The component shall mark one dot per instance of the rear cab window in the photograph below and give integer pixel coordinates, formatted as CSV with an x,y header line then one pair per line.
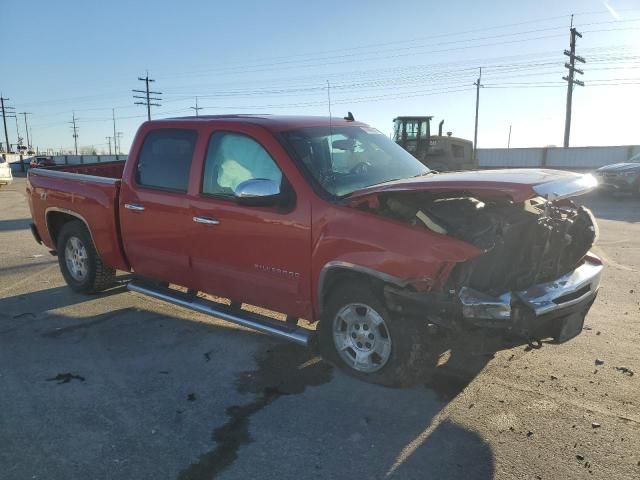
x,y
165,159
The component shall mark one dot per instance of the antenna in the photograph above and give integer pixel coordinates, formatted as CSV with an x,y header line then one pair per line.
x,y
330,122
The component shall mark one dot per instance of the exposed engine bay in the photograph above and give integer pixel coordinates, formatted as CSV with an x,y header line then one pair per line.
x,y
524,243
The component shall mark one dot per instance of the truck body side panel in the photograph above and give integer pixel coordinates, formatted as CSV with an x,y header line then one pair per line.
x,y
95,202
350,239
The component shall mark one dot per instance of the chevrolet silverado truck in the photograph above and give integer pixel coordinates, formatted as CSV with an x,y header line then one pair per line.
x,y
329,221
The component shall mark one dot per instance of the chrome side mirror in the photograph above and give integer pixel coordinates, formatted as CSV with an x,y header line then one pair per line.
x,y
257,192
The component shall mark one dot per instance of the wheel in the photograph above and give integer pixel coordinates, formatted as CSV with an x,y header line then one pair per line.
x,y
79,262
359,335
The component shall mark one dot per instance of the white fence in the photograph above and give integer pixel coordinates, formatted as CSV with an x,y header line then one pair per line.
x,y
17,162
78,159
580,158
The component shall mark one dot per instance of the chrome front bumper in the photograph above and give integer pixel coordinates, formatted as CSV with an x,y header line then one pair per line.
x,y
578,287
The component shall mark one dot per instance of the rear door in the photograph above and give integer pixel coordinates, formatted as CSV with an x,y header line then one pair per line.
x,y
257,255
154,208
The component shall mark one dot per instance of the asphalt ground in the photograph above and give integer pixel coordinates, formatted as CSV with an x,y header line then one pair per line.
x,y
119,386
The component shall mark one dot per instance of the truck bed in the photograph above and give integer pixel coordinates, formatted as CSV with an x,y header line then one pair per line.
x,y
89,192
105,169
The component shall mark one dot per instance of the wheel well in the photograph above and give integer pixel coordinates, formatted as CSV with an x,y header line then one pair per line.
x,y
341,274
55,222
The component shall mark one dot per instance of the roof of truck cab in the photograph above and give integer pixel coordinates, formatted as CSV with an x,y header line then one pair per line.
x,y
271,122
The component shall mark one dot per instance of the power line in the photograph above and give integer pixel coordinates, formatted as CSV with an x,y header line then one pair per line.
x,y
307,57
147,98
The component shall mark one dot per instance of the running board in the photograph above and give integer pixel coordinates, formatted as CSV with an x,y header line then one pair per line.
x,y
254,321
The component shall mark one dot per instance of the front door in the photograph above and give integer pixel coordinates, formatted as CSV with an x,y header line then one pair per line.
x,y
256,255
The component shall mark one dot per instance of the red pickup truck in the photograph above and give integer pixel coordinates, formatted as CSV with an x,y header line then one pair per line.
x,y
326,220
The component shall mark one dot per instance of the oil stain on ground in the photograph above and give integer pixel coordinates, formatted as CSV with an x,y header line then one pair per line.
x,y
283,370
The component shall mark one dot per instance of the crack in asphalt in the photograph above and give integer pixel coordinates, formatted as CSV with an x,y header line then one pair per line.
x,y
279,373
65,378
84,325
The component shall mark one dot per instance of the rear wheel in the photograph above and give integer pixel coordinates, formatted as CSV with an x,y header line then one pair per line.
x,y
79,261
359,335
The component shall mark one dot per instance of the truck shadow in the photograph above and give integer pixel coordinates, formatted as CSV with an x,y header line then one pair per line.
x,y
242,405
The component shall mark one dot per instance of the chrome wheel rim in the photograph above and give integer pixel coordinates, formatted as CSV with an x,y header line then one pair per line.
x,y
75,256
361,337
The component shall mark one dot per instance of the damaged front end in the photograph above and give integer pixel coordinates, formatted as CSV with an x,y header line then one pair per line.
x,y
535,277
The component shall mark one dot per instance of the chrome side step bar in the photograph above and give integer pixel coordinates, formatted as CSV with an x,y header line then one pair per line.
x,y
260,323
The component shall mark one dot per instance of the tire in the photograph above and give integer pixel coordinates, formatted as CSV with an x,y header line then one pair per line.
x,y
349,307
79,261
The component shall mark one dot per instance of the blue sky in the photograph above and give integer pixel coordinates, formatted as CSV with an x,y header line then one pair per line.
x,y
382,58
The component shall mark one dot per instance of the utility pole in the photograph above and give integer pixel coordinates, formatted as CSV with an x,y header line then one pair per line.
x,y
147,98
119,138
196,108
19,142
115,145
4,120
571,53
75,131
26,127
478,84
509,140
109,141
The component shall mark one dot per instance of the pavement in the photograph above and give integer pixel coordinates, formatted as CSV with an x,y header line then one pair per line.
x,y
119,386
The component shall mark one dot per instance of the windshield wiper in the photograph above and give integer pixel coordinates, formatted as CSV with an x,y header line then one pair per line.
x,y
423,174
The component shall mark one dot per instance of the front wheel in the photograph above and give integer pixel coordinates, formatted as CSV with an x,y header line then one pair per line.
x,y
358,334
79,261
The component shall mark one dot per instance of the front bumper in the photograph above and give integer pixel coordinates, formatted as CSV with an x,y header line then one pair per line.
x,y
552,309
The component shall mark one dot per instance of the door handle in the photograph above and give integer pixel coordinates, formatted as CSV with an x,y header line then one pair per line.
x,y
206,220
134,206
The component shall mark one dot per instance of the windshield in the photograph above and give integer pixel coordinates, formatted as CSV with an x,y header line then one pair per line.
x,y
635,158
345,159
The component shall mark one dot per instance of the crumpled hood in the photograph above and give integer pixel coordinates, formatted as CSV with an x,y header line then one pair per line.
x,y
620,167
518,184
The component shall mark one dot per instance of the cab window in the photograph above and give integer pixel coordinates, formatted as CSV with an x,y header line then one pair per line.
x,y
233,158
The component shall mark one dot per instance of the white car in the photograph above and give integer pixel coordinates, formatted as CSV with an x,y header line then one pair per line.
x,y
5,172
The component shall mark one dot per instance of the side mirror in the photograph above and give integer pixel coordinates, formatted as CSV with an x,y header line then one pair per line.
x,y
257,192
